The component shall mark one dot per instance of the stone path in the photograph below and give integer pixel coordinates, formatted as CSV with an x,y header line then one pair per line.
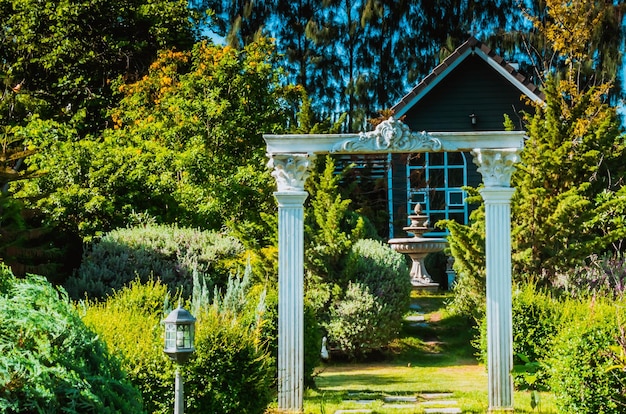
x,y
433,403
429,403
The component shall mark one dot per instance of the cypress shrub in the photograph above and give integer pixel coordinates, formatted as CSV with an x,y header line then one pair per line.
x,y
50,361
166,252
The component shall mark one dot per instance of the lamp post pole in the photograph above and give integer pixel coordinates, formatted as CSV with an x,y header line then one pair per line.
x,y
179,397
179,338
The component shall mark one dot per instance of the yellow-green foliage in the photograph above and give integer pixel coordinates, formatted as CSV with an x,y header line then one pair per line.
x,y
130,324
230,372
583,357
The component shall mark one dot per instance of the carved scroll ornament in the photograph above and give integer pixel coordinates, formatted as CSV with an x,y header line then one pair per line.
x,y
290,170
390,135
496,166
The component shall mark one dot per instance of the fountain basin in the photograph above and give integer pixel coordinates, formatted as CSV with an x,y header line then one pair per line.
x,y
417,248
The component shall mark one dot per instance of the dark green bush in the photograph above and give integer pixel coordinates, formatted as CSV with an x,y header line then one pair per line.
x,y
166,252
536,321
50,361
231,370
375,270
581,378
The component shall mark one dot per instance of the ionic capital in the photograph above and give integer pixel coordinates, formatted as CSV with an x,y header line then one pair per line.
x,y
496,165
290,170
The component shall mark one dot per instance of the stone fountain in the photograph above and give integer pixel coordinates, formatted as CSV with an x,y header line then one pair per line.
x,y
418,247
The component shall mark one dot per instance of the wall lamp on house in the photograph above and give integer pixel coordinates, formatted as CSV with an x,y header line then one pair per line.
x,y
473,118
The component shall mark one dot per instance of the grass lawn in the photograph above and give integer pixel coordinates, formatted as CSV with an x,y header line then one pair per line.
x,y
430,359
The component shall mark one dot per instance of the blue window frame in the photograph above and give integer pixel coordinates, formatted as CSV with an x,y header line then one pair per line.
x,y
435,180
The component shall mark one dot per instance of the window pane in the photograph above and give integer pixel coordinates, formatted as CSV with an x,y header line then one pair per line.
x,y
455,198
435,158
458,217
455,177
438,200
455,158
416,160
436,179
435,217
417,179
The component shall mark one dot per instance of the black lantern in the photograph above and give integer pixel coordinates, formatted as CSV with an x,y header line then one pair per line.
x,y
179,335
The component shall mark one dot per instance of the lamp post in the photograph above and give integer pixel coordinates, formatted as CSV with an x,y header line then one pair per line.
x,y
179,336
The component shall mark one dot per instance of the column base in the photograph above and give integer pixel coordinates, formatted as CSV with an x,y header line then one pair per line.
x,y
500,410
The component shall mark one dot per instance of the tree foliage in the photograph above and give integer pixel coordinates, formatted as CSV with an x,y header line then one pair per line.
x,y
186,147
66,53
570,197
574,156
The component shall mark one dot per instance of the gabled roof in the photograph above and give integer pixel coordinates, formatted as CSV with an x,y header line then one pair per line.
x,y
471,46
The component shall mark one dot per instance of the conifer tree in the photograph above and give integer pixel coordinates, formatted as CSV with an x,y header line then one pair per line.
x,y
570,200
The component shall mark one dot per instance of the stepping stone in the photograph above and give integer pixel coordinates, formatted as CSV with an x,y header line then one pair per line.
x,y
401,398
415,318
353,411
443,410
436,395
415,306
359,401
438,402
398,406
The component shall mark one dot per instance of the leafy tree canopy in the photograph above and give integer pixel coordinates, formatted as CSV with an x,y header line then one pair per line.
x,y
64,54
185,147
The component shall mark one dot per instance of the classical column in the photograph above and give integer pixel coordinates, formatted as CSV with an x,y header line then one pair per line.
x,y
290,172
496,167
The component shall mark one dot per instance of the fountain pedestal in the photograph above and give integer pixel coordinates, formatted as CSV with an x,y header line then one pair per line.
x,y
417,248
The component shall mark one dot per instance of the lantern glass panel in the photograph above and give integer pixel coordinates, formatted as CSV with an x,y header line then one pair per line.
x,y
170,335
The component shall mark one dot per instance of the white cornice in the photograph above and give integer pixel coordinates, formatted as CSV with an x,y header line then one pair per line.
x,y
392,135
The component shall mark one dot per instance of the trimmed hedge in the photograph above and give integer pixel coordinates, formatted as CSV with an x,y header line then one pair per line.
x,y
536,321
582,378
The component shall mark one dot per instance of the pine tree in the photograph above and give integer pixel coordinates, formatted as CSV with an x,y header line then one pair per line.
x,y
570,200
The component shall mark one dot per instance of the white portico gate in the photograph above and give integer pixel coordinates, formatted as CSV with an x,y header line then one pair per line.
x,y
291,158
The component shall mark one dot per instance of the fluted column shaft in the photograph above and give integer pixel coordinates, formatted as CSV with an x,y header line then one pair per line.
x,y
290,172
499,306
496,167
290,299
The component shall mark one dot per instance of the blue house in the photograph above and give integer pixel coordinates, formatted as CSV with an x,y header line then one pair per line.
x,y
471,90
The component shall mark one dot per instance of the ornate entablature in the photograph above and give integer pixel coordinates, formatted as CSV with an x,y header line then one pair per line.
x,y
496,165
290,170
390,135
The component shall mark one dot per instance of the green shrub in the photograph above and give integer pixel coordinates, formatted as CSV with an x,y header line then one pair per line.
x,y
130,323
380,293
231,370
536,321
166,252
312,335
50,361
355,326
581,378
